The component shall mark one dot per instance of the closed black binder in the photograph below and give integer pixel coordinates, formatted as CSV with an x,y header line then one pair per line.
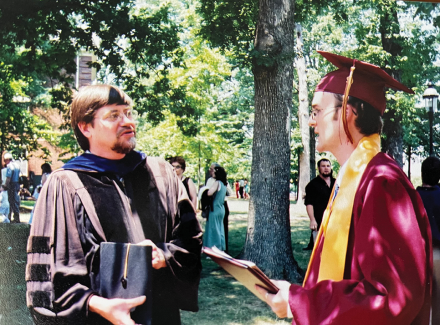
x,y
126,272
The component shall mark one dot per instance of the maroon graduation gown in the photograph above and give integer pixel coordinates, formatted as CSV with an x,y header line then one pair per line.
x,y
388,268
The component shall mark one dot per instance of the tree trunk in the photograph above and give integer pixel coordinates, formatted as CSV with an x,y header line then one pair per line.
x,y
268,241
303,116
392,144
390,30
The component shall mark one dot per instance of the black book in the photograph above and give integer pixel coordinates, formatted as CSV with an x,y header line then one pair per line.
x,y
126,272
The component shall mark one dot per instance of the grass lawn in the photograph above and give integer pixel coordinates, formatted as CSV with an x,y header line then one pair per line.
x,y
222,300
29,204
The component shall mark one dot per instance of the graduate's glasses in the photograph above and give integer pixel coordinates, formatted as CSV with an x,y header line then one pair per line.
x,y
176,166
315,112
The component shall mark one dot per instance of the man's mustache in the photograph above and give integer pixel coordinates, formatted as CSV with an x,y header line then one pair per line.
x,y
125,129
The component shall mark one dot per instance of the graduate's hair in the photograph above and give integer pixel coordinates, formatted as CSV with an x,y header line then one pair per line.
x,y
87,101
179,160
431,171
368,120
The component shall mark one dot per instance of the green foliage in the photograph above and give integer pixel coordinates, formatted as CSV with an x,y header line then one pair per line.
x,y
138,47
167,139
230,25
398,37
19,128
212,120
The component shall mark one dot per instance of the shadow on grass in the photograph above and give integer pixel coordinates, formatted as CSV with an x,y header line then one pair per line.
x,y
13,239
223,300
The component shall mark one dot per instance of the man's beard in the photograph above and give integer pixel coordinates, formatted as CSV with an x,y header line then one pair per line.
x,y
327,174
124,147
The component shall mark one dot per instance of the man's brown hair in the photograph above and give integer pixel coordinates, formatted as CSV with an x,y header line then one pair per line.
x,y
87,101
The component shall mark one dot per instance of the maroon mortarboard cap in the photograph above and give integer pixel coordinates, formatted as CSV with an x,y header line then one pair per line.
x,y
369,81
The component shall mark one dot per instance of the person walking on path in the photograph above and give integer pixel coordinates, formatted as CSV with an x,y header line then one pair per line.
x,y
237,189
4,206
318,193
215,230
241,188
372,262
13,185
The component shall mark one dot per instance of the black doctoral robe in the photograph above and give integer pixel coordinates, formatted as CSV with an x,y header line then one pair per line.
x,y
63,249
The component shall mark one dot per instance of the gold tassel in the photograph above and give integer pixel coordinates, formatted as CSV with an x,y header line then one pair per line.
x,y
344,103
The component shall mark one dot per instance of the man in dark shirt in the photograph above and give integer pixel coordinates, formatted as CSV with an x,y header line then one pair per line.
x,y
318,193
430,194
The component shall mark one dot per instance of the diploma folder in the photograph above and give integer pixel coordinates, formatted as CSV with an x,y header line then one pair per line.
x,y
245,272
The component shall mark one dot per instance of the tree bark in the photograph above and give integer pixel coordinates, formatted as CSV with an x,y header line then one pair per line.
x,y
268,242
390,29
392,144
303,116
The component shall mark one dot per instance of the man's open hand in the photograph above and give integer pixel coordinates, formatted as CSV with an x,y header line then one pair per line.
x,y
116,311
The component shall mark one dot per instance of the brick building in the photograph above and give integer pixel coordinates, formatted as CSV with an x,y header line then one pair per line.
x,y
84,76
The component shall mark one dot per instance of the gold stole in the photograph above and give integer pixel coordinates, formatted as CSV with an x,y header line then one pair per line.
x,y
336,220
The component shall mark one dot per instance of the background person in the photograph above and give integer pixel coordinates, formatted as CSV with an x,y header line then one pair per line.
x,y
430,194
137,199
13,185
4,205
179,166
46,170
209,182
318,193
372,260
214,229
241,188
246,189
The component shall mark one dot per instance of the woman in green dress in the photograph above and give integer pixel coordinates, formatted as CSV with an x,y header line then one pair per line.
x,y
214,230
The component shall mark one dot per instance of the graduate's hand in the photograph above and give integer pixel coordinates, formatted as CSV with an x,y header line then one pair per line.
x,y
158,259
278,302
313,225
116,311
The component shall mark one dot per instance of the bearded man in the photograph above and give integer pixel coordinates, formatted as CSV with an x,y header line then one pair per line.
x,y
135,199
318,193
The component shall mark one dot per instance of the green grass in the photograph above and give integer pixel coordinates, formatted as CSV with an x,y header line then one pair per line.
x,y
13,238
222,300
28,204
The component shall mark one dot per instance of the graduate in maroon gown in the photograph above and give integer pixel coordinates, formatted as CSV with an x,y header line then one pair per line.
x,y
372,261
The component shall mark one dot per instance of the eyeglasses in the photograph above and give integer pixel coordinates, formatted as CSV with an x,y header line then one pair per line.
x,y
116,115
176,166
315,112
